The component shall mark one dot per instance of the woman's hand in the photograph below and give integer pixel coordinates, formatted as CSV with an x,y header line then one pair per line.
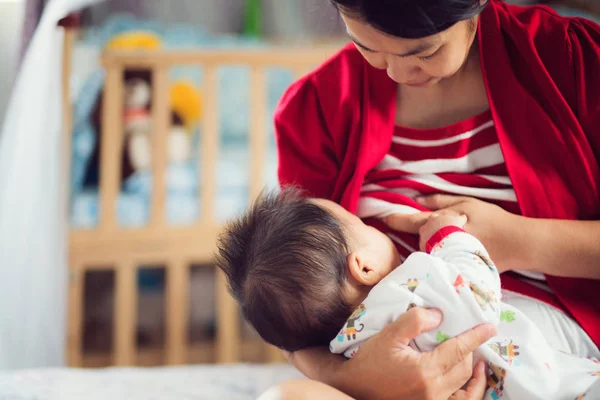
x,y
496,228
553,247
386,367
476,387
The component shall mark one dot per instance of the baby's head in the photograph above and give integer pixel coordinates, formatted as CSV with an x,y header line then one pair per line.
x,y
299,266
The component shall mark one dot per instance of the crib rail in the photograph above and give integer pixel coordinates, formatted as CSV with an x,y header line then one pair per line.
x,y
159,62
110,246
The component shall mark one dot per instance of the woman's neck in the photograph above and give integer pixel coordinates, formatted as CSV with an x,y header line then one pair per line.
x,y
450,101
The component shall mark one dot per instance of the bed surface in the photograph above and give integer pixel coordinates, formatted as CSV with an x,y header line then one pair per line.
x,y
238,382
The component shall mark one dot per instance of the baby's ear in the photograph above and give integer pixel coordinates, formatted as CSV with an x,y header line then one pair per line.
x,y
355,267
359,270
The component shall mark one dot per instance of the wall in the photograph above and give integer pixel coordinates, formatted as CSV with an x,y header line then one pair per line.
x,y
291,18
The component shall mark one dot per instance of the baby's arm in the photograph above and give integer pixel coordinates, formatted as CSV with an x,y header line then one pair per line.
x,y
463,281
457,277
443,237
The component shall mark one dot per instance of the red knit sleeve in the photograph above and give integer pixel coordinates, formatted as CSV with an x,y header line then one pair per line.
x,y
305,147
440,235
584,43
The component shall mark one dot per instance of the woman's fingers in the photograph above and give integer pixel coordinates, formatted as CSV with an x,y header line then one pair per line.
x,y
439,201
457,377
476,387
454,351
409,223
478,384
413,323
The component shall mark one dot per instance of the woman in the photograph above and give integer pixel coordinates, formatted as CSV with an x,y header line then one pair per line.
x,y
440,102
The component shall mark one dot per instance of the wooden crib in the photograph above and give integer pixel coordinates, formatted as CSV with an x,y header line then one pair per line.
x,y
123,250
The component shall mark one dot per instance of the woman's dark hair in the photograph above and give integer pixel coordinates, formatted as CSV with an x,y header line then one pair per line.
x,y
410,19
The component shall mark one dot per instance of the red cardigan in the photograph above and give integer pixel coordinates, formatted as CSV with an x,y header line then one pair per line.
x,y
542,74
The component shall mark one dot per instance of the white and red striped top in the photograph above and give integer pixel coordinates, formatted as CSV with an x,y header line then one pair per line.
x,y
461,159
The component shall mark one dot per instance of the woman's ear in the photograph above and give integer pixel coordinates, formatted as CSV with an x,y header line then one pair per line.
x,y
360,270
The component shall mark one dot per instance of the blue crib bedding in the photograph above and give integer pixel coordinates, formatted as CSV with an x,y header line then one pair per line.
x,y
184,185
182,180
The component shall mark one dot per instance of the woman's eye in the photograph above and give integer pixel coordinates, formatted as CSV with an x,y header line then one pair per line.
x,y
429,57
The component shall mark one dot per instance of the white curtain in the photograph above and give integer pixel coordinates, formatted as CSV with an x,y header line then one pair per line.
x,y
33,222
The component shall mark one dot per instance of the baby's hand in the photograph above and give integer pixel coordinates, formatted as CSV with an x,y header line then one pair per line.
x,y
437,221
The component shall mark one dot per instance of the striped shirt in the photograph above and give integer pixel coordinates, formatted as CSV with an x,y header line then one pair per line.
x,y
461,159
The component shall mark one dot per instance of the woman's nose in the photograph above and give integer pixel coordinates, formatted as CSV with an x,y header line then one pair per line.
x,y
402,74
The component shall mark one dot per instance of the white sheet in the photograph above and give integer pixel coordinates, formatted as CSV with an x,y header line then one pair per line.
x,y
239,382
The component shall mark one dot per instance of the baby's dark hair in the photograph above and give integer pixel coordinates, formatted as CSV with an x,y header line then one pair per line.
x,y
285,261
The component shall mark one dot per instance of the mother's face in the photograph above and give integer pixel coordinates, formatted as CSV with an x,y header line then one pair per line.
x,y
414,62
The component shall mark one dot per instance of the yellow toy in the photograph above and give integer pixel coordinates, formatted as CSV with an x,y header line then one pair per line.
x,y
135,40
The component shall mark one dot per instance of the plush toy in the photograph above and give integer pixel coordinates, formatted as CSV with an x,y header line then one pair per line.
x,y
185,104
135,40
137,123
185,112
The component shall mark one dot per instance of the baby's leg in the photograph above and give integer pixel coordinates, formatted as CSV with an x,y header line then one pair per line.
x,y
592,393
561,332
303,390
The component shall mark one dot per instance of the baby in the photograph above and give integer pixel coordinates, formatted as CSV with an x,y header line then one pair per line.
x,y
302,268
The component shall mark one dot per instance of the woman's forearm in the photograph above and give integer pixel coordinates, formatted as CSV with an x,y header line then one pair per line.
x,y
558,247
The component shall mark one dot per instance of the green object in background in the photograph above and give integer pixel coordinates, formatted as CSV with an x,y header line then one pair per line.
x,y
253,21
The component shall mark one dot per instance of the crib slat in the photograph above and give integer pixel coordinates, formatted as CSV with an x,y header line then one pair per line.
x,y
161,118
209,146
274,355
278,56
75,318
177,311
67,115
258,129
228,324
125,312
112,141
